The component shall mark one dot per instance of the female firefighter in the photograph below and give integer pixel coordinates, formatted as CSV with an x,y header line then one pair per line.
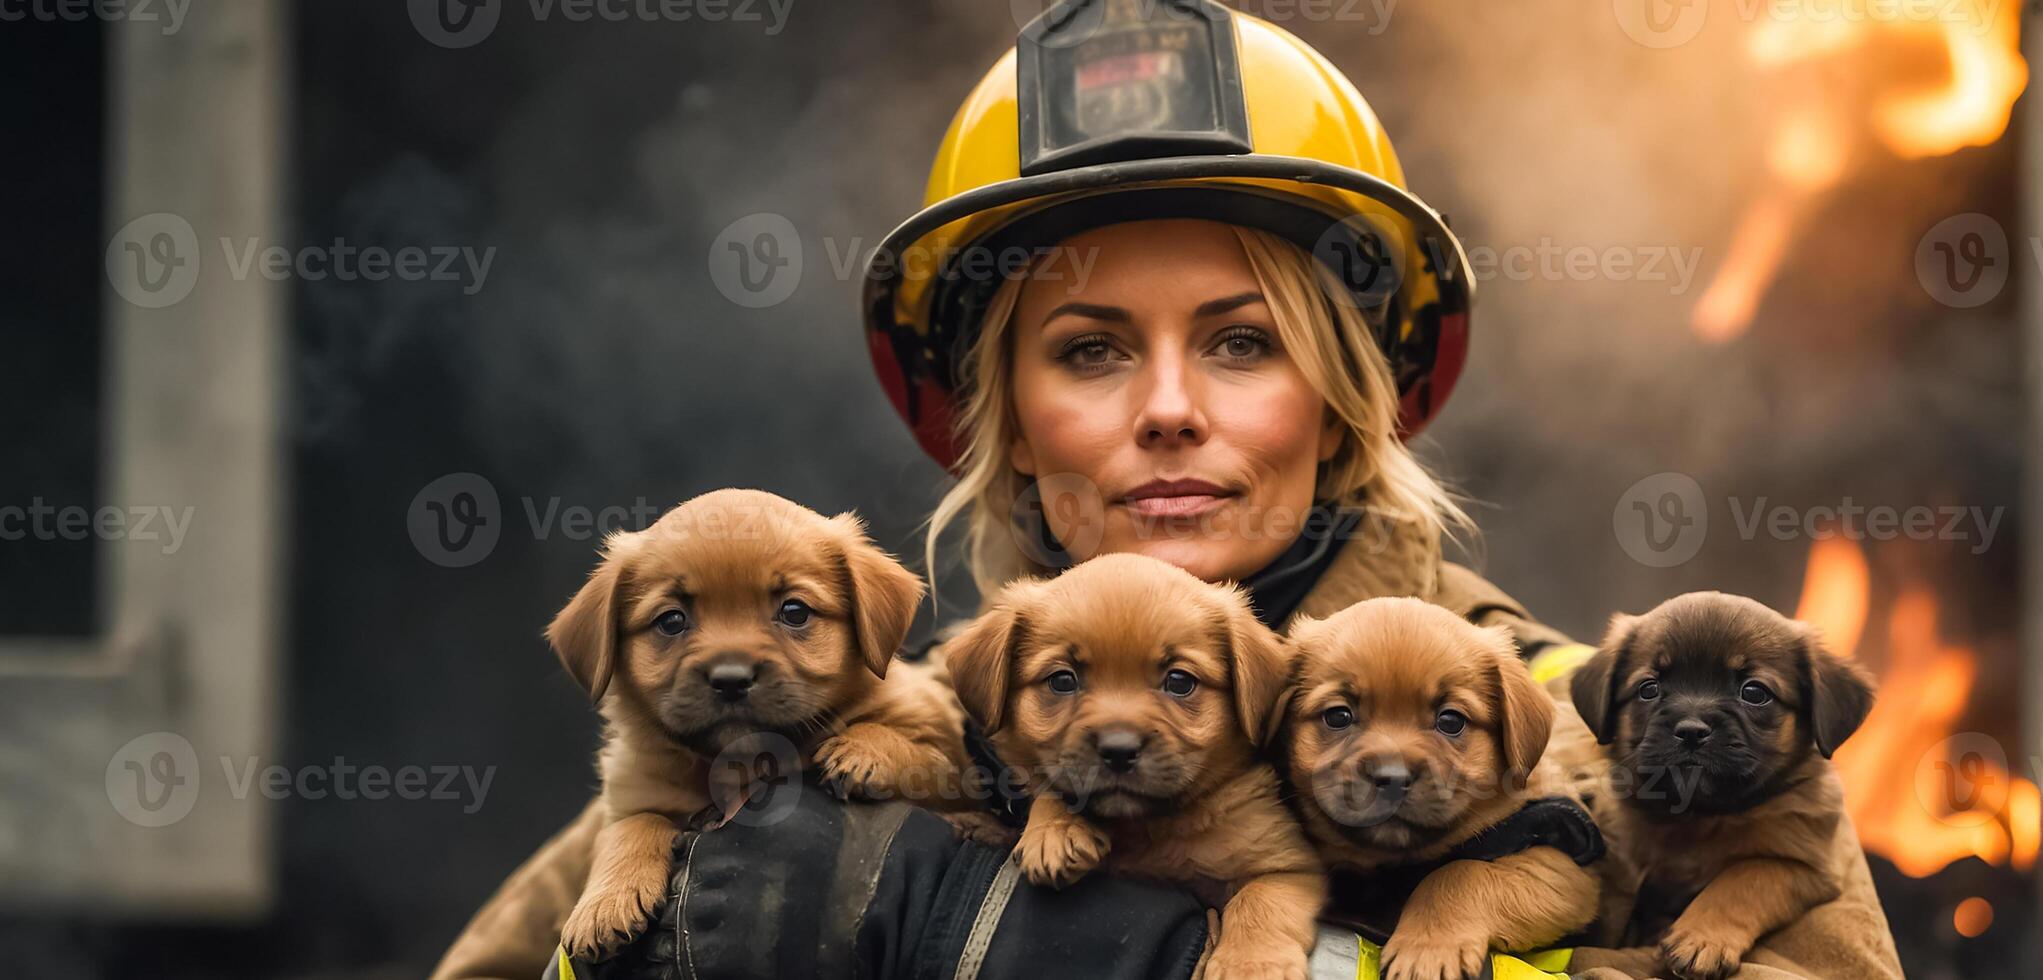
x,y
1160,238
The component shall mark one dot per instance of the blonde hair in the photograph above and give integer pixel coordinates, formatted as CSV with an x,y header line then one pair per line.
x,y
1330,340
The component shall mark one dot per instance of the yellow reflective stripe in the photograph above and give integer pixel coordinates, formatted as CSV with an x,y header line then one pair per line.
x,y
567,966
1559,660
1547,964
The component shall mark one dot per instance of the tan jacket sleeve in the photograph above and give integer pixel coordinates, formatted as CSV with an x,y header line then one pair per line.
x,y
513,935
1483,604
1845,939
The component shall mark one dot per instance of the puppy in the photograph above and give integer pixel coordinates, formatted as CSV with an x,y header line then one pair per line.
x,y
1718,716
739,621
1134,696
1408,731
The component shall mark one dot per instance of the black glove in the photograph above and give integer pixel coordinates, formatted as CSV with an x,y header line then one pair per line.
x,y
807,887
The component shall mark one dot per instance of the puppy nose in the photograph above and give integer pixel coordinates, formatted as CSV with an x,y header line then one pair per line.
x,y
1391,777
732,681
1692,731
1119,749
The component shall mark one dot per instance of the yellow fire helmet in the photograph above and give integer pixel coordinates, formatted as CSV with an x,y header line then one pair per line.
x,y
1109,111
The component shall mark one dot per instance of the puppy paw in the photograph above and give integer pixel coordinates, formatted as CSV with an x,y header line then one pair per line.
x,y
855,770
1410,956
1254,961
1058,854
982,828
1692,955
605,919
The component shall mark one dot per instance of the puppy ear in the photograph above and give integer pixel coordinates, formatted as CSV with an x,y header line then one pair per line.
x,y
1526,712
981,658
1261,667
1590,687
884,595
584,633
1838,692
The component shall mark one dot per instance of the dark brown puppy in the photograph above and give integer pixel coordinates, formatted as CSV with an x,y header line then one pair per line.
x,y
1719,716
1134,696
1408,732
740,616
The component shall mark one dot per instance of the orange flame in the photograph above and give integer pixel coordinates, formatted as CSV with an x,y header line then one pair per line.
x,y
1920,795
1811,143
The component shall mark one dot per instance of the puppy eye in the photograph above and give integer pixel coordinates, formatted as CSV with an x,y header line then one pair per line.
x,y
1063,682
1337,717
1649,691
1179,684
671,622
1450,722
1754,693
794,612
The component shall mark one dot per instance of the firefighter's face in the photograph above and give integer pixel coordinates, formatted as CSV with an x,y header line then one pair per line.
x,y
1159,379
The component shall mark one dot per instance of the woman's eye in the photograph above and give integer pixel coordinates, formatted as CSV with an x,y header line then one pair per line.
x,y
794,612
1087,353
1337,717
1649,691
671,622
1063,682
1179,684
1244,344
1754,693
1451,722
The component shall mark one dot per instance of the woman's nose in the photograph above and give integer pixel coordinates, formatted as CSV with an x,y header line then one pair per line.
x,y
1170,414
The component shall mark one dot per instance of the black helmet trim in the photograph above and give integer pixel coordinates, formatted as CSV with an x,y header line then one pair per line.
x,y
1438,247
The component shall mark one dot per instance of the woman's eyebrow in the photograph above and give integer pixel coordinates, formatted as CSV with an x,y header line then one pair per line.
x,y
1091,311
1215,307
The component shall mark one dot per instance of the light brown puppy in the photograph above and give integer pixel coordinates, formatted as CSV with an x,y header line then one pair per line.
x,y
1408,731
1718,716
1134,697
740,621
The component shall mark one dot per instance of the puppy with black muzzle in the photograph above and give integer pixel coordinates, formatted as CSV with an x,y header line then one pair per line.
x,y
742,621
1408,733
1719,716
1134,697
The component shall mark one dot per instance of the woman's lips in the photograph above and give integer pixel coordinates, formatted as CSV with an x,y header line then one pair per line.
x,y
1174,498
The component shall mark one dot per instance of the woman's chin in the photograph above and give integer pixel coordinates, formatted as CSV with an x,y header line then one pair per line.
x,y
1210,559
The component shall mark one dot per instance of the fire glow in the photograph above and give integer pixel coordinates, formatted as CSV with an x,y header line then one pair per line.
x,y
1921,794
1839,86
